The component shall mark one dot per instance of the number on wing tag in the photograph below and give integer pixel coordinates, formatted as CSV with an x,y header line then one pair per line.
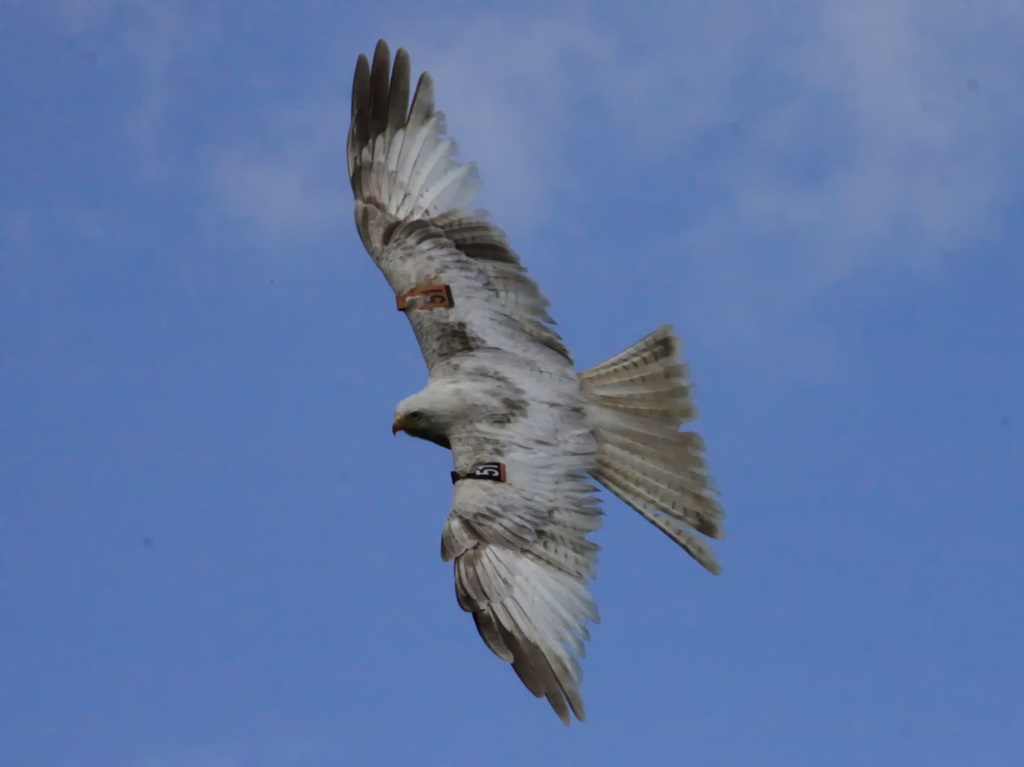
x,y
493,471
433,297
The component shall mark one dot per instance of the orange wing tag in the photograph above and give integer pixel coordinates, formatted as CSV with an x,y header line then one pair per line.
x,y
434,297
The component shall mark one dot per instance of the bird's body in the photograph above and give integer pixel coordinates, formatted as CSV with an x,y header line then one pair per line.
x,y
528,434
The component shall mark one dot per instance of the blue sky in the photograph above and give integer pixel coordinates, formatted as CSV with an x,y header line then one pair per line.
x,y
214,552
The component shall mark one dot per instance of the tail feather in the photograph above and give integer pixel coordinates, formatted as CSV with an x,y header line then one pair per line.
x,y
648,380
637,401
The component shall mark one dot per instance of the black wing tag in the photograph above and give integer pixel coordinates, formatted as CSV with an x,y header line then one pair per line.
x,y
493,471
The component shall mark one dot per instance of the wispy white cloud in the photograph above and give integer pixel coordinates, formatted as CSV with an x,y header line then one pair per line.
x,y
160,37
503,95
161,40
289,184
512,88
807,142
888,146
886,132
829,140
891,100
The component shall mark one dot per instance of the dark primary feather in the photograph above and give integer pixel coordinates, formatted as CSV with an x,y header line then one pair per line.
x,y
412,215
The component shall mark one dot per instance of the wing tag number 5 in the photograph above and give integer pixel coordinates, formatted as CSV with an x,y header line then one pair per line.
x,y
432,297
492,470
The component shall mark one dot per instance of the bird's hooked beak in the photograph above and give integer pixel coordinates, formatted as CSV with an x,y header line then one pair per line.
x,y
398,425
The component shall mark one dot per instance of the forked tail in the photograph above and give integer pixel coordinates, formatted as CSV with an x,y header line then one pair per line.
x,y
637,401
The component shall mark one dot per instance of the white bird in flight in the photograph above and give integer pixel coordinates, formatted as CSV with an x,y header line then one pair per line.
x,y
527,433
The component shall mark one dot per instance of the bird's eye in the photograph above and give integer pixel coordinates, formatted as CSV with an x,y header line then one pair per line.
x,y
415,415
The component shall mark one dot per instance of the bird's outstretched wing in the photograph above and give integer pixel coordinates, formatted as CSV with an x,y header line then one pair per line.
x,y
461,285
517,534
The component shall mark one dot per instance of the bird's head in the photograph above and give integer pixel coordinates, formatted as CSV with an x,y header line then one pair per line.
x,y
443,405
430,414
